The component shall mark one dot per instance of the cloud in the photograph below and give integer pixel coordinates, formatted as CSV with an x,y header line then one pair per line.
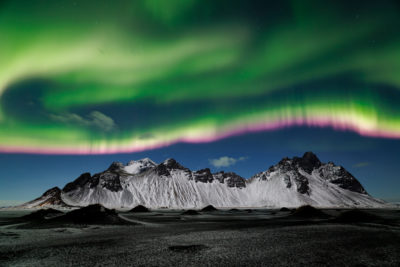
x,y
361,164
94,119
102,121
225,161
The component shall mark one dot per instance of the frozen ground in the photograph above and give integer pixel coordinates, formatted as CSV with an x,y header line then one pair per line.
x,y
221,238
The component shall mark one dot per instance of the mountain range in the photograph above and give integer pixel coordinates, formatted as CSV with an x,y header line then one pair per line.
x,y
292,182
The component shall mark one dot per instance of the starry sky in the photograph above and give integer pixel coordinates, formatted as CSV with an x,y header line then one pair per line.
x,y
230,85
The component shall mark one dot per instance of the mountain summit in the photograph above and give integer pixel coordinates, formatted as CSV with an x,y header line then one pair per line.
x,y
291,182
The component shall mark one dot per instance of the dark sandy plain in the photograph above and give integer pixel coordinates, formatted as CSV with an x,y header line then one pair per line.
x,y
256,237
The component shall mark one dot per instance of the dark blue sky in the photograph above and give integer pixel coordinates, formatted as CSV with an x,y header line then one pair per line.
x,y
373,161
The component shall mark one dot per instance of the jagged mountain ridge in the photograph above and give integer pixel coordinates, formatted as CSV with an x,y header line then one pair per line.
x,y
50,198
291,182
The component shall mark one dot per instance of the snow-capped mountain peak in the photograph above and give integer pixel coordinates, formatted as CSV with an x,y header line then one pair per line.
x,y
139,166
295,172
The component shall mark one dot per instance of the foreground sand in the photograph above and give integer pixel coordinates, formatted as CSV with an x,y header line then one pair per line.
x,y
221,238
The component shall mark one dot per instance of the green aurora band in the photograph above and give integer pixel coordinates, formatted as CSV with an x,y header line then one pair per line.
x,y
121,76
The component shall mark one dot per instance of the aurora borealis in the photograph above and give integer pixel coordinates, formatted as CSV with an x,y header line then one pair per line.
x,y
94,77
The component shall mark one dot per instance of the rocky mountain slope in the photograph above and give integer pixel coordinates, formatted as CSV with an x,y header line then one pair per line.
x,y
291,183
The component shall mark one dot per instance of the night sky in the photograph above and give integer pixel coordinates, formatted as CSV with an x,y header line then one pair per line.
x,y
230,85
